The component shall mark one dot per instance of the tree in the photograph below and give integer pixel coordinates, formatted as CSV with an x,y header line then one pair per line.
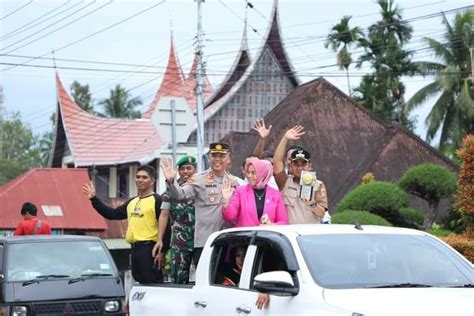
x,y
382,91
464,198
340,39
120,105
18,152
431,183
82,96
453,111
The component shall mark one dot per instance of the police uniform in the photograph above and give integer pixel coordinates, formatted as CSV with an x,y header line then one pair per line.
x,y
182,218
206,190
299,212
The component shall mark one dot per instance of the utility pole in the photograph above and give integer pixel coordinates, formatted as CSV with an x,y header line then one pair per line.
x,y
199,90
173,130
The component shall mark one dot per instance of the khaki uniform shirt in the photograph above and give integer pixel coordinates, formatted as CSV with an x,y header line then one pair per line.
x,y
206,189
298,212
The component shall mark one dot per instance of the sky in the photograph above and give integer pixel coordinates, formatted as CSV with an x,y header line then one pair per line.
x,y
103,43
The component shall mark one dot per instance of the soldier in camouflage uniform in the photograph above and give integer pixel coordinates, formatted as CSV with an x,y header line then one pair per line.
x,y
182,224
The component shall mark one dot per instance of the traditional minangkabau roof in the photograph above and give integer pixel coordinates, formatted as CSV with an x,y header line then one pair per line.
x,y
51,187
93,140
172,84
243,67
345,140
190,85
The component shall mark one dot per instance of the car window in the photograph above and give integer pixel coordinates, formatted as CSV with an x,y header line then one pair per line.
x,y
269,258
371,260
226,263
26,261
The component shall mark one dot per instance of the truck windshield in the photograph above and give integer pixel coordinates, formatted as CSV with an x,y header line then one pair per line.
x,y
28,261
383,260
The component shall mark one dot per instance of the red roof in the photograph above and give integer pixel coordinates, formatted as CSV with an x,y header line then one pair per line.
x,y
190,85
103,141
54,187
172,84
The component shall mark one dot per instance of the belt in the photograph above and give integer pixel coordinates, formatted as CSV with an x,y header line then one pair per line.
x,y
142,243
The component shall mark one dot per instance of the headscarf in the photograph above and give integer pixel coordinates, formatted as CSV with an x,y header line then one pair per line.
x,y
263,170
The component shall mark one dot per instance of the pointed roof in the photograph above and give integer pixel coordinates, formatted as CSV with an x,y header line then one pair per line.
x,y
274,43
190,85
94,140
240,65
344,139
172,84
50,187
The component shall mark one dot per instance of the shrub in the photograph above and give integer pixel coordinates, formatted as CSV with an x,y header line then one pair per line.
x,y
462,244
465,194
430,182
361,217
380,198
439,232
413,218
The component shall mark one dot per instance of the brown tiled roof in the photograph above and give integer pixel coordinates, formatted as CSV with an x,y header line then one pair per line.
x,y
100,141
345,140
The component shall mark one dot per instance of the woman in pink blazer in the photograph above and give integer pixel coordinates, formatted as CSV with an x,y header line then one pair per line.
x,y
255,203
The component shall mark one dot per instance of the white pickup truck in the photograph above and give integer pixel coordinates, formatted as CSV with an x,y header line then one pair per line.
x,y
321,270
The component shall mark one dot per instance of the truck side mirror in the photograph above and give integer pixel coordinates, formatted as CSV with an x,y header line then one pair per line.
x,y
275,282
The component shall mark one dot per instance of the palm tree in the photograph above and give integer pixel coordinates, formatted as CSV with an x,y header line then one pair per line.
x,y
341,38
120,105
453,110
82,96
384,51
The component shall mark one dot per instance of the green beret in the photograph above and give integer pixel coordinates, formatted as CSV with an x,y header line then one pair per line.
x,y
186,160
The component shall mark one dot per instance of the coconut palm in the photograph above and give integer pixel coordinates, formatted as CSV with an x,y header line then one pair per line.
x,y
341,38
453,111
82,96
120,105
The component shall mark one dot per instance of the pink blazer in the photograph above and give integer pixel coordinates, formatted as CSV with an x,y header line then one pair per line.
x,y
243,210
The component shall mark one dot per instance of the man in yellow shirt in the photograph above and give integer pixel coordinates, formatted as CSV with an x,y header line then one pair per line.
x,y
142,212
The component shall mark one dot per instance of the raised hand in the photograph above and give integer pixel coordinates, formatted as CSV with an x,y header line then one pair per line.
x,y
261,129
166,166
227,192
89,190
295,132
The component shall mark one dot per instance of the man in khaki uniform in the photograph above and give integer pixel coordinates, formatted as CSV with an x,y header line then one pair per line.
x,y
206,190
300,211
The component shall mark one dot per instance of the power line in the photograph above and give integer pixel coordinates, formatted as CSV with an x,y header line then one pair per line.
x,y
92,34
37,21
16,10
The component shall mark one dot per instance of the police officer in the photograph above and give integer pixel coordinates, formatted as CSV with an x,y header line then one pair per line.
x,y
182,224
300,211
206,190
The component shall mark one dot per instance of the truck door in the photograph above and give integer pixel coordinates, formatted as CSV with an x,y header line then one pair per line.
x,y
229,268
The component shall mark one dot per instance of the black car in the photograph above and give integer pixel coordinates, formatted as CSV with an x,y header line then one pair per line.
x,y
58,275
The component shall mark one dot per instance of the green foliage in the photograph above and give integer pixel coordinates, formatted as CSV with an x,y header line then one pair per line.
x,y
413,218
452,113
381,198
120,104
453,221
439,232
82,96
361,217
18,150
429,181
382,91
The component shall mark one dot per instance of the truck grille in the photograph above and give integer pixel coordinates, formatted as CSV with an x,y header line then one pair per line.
x,y
90,308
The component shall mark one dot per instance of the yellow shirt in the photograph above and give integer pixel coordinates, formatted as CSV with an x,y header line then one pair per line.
x,y
142,221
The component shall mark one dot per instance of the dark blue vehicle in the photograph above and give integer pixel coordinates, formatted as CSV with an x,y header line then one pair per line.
x,y
58,275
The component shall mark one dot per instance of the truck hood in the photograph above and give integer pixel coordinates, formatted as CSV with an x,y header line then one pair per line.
x,y
61,290
403,301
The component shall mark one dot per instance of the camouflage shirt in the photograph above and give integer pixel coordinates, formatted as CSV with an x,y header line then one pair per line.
x,y
182,219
